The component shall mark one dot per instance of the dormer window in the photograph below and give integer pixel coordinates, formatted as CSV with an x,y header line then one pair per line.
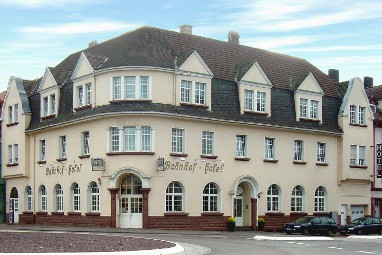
x,y
357,115
254,101
48,106
84,96
131,88
308,109
192,92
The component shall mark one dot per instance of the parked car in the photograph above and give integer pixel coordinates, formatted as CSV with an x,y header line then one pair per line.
x,y
312,225
362,226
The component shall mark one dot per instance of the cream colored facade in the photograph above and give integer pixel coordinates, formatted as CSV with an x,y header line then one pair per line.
x,y
344,185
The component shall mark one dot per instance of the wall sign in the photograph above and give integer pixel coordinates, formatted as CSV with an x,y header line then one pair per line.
x,y
60,170
197,167
379,160
98,164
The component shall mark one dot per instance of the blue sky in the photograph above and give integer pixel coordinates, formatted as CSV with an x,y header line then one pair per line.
x,y
340,34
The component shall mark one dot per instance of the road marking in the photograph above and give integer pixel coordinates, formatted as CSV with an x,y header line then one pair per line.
x,y
293,238
365,237
215,236
367,252
334,248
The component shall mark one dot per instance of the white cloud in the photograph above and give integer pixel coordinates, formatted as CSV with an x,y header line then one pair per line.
x,y
85,27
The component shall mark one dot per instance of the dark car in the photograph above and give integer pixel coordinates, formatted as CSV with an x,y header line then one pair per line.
x,y
362,226
312,225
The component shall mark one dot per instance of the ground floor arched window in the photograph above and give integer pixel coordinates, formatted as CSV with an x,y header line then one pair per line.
x,y
273,198
210,198
319,199
174,197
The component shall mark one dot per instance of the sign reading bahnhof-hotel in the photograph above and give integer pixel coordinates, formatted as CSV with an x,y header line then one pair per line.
x,y
191,167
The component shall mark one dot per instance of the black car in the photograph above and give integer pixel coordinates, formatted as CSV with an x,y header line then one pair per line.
x,y
312,225
362,226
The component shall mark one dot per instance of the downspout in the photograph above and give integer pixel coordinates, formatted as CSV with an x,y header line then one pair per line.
x,y
174,79
34,179
95,94
340,159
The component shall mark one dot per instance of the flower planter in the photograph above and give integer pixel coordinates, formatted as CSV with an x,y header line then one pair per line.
x,y
231,226
260,226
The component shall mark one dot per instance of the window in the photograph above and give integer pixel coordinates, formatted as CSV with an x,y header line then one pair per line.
x,y
357,155
13,113
241,146
210,198
85,143
53,104
319,199
62,146
321,148
43,198
59,198
48,105
177,140
357,115
131,139
174,197
207,143
131,87
308,108
273,197
94,197
298,150
297,199
192,92
42,150
76,192
29,198
84,95
269,148
13,154
254,101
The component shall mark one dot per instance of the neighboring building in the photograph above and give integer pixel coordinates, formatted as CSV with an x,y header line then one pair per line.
x,y
375,96
2,183
159,129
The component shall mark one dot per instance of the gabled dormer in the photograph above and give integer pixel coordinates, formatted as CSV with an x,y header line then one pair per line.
x,y
308,98
49,90
83,80
193,81
254,90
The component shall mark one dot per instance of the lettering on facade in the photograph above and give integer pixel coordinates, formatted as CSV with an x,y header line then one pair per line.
x,y
60,170
207,168
379,160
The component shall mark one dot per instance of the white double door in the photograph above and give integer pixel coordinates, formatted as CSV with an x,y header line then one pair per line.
x,y
239,211
131,211
14,210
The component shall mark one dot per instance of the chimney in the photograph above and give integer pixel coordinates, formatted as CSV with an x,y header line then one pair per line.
x,y
367,82
233,37
92,43
334,74
186,29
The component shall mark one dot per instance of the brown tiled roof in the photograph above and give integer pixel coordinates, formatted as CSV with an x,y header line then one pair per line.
x,y
374,92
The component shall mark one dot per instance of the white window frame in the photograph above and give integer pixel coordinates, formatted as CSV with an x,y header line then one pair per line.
x,y
63,146
208,143
241,145
131,139
13,154
255,101
357,114
13,113
76,197
59,196
94,197
211,198
309,108
321,152
175,197
297,199
29,198
298,150
269,148
140,89
49,105
273,198
52,104
192,92
178,144
320,199
42,150
85,137
43,198
357,155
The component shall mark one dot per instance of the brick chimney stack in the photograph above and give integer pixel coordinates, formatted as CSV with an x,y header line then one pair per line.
x,y
233,37
334,74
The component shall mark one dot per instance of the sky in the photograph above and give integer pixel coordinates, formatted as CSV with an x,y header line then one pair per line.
x,y
339,34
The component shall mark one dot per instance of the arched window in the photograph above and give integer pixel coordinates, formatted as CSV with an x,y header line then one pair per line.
x,y
319,199
94,197
297,199
273,198
174,197
59,196
76,197
210,198
43,198
29,199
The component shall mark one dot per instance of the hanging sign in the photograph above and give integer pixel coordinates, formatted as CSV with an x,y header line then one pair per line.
x,y
98,164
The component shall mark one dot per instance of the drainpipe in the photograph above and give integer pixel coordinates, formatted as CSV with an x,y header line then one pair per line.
x,y
34,179
94,89
340,159
174,79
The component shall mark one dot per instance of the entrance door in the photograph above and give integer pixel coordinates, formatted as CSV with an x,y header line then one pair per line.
x,y
343,215
131,202
377,208
239,211
14,210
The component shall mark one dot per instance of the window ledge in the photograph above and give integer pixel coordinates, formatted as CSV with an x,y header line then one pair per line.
x,y
41,162
130,100
48,117
299,162
310,120
270,160
357,125
212,214
209,156
84,156
179,155
275,213
195,105
74,213
175,214
256,113
80,108
12,124
92,214
27,212
12,164
357,166
321,164
42,213
129,153
242,159
61,159
57,213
